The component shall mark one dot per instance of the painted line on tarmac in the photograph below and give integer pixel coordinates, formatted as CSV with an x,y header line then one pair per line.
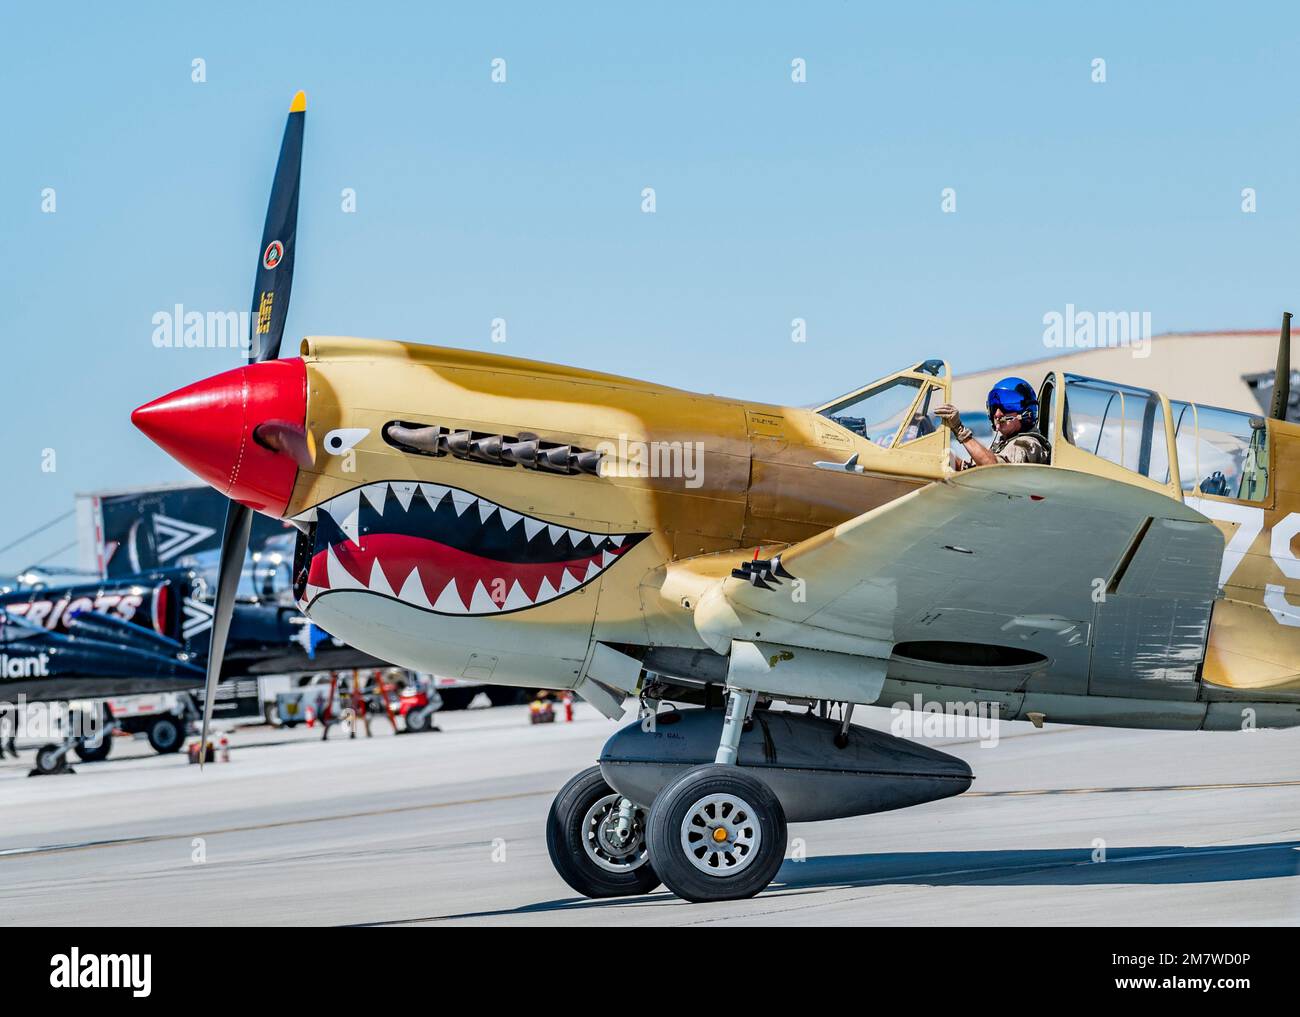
x,y
363,814
1129,790
396,809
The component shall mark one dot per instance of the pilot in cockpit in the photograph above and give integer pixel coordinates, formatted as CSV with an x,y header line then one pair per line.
x,y
1013,412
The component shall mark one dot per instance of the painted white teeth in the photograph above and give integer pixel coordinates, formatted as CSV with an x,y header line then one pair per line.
x,y
344,509
516,598
376,494
413,591
481,602
339,577
449,601
405,491
378,581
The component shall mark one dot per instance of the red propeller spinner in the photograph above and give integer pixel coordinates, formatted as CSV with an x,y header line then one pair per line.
x,y
235,430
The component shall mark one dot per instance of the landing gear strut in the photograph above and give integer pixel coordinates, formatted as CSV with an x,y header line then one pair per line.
x,y
718,832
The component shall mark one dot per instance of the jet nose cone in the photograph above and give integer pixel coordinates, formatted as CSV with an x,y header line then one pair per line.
x,y
208,427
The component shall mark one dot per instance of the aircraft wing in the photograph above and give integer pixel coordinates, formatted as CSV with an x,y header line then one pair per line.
x,y
1105,581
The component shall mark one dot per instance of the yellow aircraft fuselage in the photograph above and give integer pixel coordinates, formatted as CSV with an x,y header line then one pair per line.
x,y
441,554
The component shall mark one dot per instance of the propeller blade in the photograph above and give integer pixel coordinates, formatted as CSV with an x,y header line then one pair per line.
x,y
275,257
234,546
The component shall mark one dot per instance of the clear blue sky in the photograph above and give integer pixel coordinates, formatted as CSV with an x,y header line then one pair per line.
x,y
522,200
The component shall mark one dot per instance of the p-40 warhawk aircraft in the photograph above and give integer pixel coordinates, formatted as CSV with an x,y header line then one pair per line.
x,y
523,523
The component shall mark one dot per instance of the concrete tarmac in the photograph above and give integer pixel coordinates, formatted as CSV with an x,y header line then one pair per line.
x,y
1064,825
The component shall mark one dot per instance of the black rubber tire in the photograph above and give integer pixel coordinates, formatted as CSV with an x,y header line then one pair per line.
x,y
48,759
87,751
457,699
669,811
167,734
97,753
419,720
505,695
564,843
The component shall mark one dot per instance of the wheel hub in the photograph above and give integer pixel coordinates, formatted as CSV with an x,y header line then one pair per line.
x,y
721,834
604,845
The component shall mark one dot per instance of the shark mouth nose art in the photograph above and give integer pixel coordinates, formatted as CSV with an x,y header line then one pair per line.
x,y
448,551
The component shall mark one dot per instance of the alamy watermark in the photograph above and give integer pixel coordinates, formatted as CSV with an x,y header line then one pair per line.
x,y
631,458
177,328
44,721
923,718
1088,330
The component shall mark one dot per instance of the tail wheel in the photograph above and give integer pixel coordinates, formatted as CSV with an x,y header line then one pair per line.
x,y
584,845
717,833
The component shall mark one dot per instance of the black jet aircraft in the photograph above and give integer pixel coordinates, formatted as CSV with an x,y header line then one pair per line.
x,y
147,633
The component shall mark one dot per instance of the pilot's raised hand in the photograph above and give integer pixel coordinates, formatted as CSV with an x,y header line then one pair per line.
x,y
949,415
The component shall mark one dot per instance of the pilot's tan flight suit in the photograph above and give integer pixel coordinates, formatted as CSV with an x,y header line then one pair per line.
x,y
1025,447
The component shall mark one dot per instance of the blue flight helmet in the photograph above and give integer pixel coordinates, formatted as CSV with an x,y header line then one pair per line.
x,y
1014,395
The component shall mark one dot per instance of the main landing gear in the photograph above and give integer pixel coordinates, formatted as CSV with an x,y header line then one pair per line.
x,y
596,839
715,832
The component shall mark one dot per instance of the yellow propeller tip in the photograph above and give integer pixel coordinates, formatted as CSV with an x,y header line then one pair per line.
x,y
299,104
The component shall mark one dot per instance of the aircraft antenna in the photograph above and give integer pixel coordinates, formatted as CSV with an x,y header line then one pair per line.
x,y
1282,373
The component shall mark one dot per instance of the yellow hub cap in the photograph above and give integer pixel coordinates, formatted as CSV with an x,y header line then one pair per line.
x,y
720,834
